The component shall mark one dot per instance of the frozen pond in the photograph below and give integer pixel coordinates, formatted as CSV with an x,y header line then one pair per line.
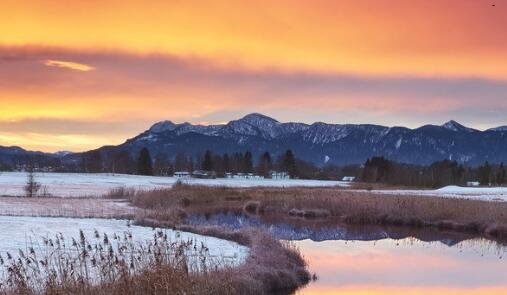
x,y
23,232
90,184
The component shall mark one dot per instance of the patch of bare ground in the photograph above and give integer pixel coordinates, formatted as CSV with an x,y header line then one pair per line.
x,y
67,207
484,218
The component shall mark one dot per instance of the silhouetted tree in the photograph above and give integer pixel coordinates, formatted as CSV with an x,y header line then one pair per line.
x,y
247,163
485,174
162,165
144,164
123,163
265,164
289,163
92,162
32,187
501,174
226,163
207,163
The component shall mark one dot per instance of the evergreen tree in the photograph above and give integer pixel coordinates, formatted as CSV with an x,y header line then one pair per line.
x,y
123,163
501,175
180,163
162,165
484,174
218,165
289,163
92,162
247,163
226,163
207,164
265,164
144,164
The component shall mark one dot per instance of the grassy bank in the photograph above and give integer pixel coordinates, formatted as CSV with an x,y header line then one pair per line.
x,y
479,217
107,265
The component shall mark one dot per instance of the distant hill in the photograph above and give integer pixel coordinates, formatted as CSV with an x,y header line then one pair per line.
x,y
14,155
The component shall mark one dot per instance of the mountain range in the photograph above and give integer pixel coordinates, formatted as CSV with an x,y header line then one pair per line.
x,y
319,143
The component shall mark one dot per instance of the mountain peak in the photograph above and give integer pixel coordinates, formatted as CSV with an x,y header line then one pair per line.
x,y
255,118
455,126
163,126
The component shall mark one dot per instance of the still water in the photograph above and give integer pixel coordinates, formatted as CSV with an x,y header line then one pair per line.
x,y
406,266
386,260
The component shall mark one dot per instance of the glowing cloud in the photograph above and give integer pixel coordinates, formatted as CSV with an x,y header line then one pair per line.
x,y
68,65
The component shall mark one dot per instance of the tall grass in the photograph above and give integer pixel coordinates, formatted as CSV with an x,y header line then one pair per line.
x,y
481,217
85,263
117,265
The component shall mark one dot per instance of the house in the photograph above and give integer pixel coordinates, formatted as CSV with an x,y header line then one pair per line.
x,y
349,178
181,174
473,183
204,174
280,175
243,176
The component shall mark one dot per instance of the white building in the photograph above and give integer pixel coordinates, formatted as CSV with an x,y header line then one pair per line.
x,y
349,178
181,174
280,175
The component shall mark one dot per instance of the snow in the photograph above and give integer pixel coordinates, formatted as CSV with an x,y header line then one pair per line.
x,y
473,193
23,232
398,143
89,184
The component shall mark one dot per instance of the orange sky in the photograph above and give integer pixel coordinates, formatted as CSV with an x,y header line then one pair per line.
x,y
95,64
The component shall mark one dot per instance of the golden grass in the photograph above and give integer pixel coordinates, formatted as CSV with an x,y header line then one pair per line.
x,y
98,266
481,217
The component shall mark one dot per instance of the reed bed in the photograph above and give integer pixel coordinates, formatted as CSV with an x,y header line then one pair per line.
x,y
58,263
116,264
480,217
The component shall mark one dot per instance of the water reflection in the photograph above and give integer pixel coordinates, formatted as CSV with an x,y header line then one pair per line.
x,y
406,266
385,260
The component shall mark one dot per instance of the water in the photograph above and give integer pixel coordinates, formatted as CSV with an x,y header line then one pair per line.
x,y
406,266
386,260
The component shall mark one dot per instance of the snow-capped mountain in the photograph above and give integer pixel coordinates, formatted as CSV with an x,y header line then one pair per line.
x,y
457,127
319,143
500,128
323,143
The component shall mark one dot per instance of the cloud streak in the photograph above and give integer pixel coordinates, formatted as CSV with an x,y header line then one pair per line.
x,y
68,65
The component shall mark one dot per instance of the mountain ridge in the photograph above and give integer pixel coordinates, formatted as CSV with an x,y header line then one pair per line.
x,y
320,143
340,144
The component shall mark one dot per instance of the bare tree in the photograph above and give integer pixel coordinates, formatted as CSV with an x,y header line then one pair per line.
x,y
32,187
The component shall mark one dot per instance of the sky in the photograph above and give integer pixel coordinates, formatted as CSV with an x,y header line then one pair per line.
x,y
76,75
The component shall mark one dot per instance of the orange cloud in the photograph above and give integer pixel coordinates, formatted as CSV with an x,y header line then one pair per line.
x,y
387,61
393,37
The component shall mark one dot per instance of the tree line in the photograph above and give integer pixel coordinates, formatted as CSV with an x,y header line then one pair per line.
x,y
239,162
438,174
373,170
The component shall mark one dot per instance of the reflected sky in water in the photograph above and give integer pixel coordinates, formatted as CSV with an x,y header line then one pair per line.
x,y
384,259
406,266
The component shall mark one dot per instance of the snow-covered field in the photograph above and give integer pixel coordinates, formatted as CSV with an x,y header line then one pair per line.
x,y
81,184
19,233
475,193
66,207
